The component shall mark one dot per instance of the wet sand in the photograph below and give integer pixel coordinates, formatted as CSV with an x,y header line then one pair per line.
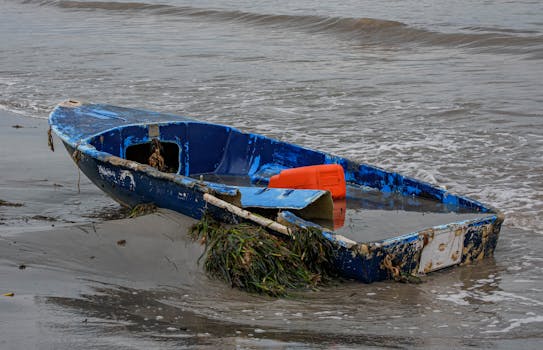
x,y
48,267
46,183
80,281
55,246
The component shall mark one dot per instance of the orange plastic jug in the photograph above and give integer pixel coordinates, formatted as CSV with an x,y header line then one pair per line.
x,y
329,177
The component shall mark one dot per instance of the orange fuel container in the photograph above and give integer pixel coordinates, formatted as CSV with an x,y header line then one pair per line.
x,y
329,177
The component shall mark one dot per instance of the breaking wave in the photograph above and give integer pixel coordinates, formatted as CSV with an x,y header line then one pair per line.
x,y
363,31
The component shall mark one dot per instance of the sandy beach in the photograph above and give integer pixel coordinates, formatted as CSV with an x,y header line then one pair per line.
x,y
50,272
448,92
46,183
51,255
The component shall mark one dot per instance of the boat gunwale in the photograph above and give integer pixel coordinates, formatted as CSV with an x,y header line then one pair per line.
x,y
330,158
492,214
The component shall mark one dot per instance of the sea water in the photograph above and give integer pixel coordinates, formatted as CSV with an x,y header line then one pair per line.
x,y
444,91
367,214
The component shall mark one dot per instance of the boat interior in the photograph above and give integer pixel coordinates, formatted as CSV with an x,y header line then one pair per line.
x,y
211,151
225,155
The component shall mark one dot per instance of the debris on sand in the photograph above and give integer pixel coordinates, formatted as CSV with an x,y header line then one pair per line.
x,y
252,259
10,204
142,209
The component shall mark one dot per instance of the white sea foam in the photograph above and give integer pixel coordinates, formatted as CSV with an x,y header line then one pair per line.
x,y
458,298
475,294
516,323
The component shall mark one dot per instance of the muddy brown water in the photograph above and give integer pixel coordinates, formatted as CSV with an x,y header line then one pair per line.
x,y
447,92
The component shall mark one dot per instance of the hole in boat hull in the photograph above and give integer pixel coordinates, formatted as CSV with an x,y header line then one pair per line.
x,y
142,153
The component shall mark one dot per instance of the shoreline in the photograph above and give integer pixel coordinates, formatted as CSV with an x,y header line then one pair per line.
x,y
39,187
45,273
57,243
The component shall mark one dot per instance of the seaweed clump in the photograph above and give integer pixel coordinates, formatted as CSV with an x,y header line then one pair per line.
x,y
250,258
9,204
142,209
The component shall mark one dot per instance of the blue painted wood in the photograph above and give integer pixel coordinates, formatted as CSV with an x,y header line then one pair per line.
x,y
262,197
100,135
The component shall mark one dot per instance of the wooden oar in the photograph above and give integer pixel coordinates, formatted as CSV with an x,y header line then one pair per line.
x,y
273,225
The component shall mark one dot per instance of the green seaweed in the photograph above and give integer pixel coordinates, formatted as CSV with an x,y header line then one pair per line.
x,y
10,204
142,209
250,258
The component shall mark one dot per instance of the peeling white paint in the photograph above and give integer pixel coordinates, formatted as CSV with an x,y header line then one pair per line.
x,y
111,176
182,196
127,174
106,173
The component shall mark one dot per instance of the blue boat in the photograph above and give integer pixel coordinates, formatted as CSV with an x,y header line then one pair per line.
x,y
388,225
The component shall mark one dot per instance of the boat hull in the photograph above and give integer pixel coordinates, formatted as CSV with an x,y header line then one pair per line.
x,y
131,183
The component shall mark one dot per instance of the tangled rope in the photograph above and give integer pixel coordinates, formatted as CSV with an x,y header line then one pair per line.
x,y
50,139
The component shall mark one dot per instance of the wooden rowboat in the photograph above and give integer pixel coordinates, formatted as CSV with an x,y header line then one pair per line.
x,y
387,224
